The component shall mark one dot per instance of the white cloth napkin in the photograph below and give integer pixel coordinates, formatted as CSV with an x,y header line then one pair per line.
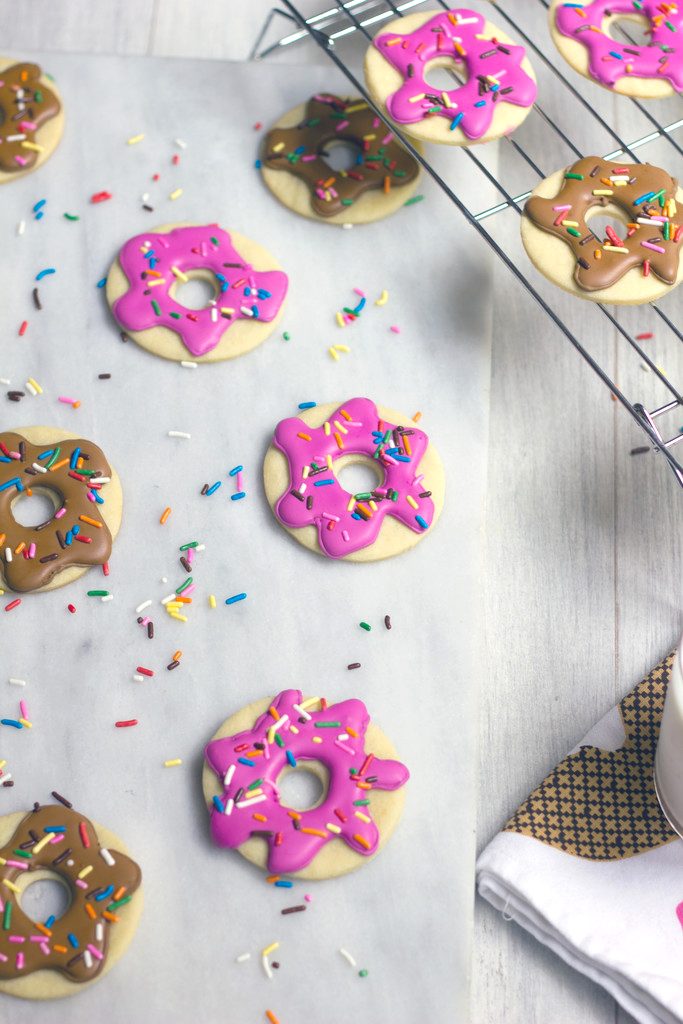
x,y
614,919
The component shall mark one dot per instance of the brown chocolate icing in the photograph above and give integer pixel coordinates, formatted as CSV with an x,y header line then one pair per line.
x,y
383,163
24,101
54,550
649,192
66,941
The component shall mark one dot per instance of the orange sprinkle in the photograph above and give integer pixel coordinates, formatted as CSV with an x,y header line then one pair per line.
x,y
164,515
74,405
274,714
406,445
2,538
177,655
108,916
363,508
90,911
20,547
338,439
360,839
80,462
42,928
314,832
259,817
183,600
273,878
119,893
58,465
344,413
352,732
60,949
294,814
271,1017
417,417
90,522
304,437
387,184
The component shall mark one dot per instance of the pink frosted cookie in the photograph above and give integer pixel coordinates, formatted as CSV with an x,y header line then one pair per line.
x,y
361,800
145,282
583,33
302,469
489,93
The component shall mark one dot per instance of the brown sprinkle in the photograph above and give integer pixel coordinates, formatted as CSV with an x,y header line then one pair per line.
x,y
62,799
354,664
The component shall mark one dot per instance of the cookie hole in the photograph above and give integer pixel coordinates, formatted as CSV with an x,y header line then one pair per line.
x,y
358,474
35,508
198,292
632,30
45,897
444,74
341,155
303,787
603,218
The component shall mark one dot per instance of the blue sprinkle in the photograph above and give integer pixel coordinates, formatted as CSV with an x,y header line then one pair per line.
x,y
480,103
73,940
3,459
238,495
282,883
644,198
360,305
613,53
307,405
44,455
149,255
95,495
68,540
224,286
105,893
44,273
20,486
423,523
214,487
39,216
39,205
235,470
55,828
245,760
74,458
402,458
221,277
300,149
354,515
12,722
263,294
75,530
254,310
391,451
236,597
14,482
456,121
257,165
50,921
218,805
291,758
101,283
323,483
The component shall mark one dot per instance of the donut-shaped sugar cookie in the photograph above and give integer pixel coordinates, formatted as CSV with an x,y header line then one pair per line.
x,y
249,288
362,798
31,119
581,32
61,957
300,477
87,498
498,83
294,168
636,261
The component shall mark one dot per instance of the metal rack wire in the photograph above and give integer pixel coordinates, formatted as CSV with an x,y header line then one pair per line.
x,y
366,16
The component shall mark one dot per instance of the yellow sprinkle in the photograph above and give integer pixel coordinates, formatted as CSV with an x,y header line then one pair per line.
x,y
294,729
271,734
352,502
446,101
135,138
34,146
176,194
306,472
327,428
383,299
373,505
317,739
153,284
333,828
342,348
340,319
10,885
341,427
328,459
227,309
335,355
36,385
278,146
363,817
173,762
85,871
41,843
603,192
179,274
393,42
416,98
305,704
570,223
411,501
615,248
26,724
2,764
212,600
182,618
355,107
270,949
369,138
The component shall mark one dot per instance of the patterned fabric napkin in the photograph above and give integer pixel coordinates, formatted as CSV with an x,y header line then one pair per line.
x,y
589,865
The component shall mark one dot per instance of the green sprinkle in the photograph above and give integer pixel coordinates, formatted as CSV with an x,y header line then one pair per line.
x,y
347,202
399,174
119,903
574,231
7,916
23,853
363,973
365,625
156,307
327,725
176,316
366,496
394,495
190,544
413,199
38,96
98,593
286,336
214,240
361,803
279,740
313,122
575,177
71,216
184,586
55,456
254,785
670,26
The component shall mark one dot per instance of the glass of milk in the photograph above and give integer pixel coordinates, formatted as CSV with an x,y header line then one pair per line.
x,y
669,757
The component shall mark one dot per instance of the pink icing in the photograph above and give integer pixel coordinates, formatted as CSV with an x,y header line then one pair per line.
x,y
609,60
315,496
342,752
494,72
260,293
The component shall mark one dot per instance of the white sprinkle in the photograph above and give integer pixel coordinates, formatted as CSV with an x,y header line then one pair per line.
x,y
141,607
21,227
100,479
347,226
201,547
266,967
300,711
8,554
99,931
38,468
5,380
87,958
645,367
170,597
30,387
241,959
16,682
214,315
282,720
227,778
145,197
138,678
188,364
164,579
107,858
347,956
6,776
181,144
107,597
179,433
254,800
229,806
246,311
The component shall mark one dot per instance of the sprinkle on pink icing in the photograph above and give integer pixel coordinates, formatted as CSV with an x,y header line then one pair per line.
x,y
610,60
250,294
494,72
354,429
290,846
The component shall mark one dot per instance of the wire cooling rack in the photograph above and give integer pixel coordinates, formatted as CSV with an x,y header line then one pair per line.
x,y
366,17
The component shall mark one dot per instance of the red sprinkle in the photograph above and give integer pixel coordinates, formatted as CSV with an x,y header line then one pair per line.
x,y
83,830
155,177
124,725
100,197
105,568
258,126
22,329
644,337
176,159
12,604
72,608
144,671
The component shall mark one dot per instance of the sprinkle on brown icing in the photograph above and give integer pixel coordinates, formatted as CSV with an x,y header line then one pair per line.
x,y
382,163
77,536
60,840
25,105
646,194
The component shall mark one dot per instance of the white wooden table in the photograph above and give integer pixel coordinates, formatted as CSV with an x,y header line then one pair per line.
x,y
582,590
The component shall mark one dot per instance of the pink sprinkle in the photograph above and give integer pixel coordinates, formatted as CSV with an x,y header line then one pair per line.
x,y
388,458
307,159
58,837
22,162
345,535
342,125
65,400
655,248
239,482
61,512
81,883
308,897
567,206
95,951
320,193
45,949
21,865
189,590
397,330
36,938
28,126
359,292
31,550
376,122
91,497
328,515
3,958
344,746
20,961
16,938
145,620
679,913
387,139
23,709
